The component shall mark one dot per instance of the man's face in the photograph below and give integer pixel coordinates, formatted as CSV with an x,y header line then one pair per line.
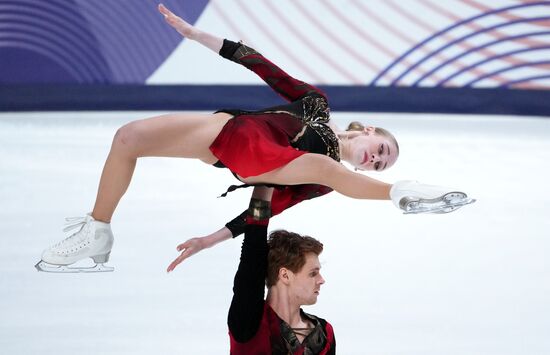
x,y
305,285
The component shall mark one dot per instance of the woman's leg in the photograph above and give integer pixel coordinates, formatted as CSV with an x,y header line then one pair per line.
x,y
172,135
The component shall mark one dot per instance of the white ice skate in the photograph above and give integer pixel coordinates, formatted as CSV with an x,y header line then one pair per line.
x,y
93,240
413,197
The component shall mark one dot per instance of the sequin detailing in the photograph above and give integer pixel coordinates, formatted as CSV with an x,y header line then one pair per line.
x,y
316,115
329,139
315,109
241,52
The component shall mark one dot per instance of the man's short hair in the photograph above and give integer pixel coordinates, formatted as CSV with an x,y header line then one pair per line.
x,y
288,250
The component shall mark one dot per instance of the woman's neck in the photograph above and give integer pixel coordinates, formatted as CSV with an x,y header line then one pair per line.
x,y
344,139
343,145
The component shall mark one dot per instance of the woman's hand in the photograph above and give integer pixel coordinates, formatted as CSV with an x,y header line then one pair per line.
x,y
183,27
194,245
187,249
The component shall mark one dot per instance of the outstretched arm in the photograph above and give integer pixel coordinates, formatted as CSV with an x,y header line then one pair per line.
x,y
285,85
247,305
319,169
189,31
192,246
282,199
288,87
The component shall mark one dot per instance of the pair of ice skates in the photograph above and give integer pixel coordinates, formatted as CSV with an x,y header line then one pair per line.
x,y
94,239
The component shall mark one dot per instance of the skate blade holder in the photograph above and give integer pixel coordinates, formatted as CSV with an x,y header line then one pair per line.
x,y
63,269
439,205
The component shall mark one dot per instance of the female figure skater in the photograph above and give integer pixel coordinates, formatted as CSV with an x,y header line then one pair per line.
x,y
289,145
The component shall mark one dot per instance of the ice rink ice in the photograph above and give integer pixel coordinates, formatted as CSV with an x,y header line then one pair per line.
x,y
476,281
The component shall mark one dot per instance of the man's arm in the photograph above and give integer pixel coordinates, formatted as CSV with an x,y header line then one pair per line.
x,y
282,199
247,305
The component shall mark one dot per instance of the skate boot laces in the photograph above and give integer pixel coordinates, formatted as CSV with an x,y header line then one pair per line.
x,y
71,223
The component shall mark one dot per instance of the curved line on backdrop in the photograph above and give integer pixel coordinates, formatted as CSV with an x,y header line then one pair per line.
x,y
25,16
14,39
135,40
281,44
513,67
122,68
227,21
525,80
463,38
474,49
47,8
313,47
47,53
482,7
342,45
142,46
449,28
351,49
57,39
487,60
49,16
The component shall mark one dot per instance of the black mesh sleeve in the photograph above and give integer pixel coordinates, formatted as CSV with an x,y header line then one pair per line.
x,y
229,48
285,85
236,225
247,305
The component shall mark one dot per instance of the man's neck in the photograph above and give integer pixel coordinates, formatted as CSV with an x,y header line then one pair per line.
x,y
279,300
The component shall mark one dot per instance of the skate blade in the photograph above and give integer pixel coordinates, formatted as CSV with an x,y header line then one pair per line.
x,y
64,269
448,203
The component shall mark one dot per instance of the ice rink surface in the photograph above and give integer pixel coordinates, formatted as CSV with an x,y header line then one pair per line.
x,y
476,281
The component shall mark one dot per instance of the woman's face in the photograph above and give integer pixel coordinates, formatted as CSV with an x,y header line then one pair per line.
x,y
371,151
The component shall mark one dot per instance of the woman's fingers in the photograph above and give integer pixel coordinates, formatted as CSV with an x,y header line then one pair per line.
x,y
187,249
179,24
164,10
169,16
184,255
183,245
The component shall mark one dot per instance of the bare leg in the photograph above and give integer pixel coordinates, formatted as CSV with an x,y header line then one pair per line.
x,y
115,179
173,135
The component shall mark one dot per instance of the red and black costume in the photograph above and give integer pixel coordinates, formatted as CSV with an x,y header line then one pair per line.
x,y
255,142
254,327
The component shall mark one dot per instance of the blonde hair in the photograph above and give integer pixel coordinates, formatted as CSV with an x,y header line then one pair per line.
x,y
358,126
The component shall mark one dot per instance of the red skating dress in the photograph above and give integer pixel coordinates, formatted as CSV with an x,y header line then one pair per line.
x,y
255,142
